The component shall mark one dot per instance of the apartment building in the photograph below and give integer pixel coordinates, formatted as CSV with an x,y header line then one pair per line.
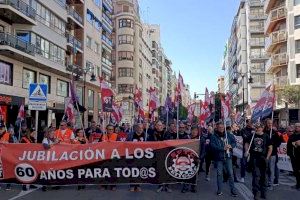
x,y
246,54
47,42
282,29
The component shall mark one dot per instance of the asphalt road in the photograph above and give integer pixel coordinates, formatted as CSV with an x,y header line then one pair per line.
x,y
205,190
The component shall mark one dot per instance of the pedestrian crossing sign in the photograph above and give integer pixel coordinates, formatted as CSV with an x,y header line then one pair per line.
x,y
38,92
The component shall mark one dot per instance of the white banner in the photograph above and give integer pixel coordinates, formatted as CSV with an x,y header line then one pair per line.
x,y
238,150
284,161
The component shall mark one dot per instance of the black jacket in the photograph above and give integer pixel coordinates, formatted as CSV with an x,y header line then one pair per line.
x,y
293,152
276,140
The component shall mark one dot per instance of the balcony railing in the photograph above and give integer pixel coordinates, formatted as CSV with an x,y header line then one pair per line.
x,y
75,42
20,6
256,28
17,43
255,3
255,42
107,40
277,60
281,81
106,61
258,56
276,37
75,15
275,15
107,19
258,16
108,4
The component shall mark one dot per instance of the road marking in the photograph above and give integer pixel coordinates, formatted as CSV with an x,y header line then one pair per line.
x,y
244,191
24,193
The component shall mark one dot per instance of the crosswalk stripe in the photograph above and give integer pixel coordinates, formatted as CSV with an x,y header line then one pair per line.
x,y
244,191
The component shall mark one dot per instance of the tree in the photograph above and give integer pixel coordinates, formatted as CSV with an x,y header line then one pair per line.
x,y
291,94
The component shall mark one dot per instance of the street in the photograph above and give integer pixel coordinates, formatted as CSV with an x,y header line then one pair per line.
x,y
205,190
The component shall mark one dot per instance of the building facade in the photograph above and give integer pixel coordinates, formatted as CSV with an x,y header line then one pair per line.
x,y
50,42
221,85
283,47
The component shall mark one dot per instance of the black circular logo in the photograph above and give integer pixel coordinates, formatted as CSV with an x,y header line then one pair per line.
x,y
182,163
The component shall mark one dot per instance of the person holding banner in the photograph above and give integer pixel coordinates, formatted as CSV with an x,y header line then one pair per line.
x,y
171,133
293,151
138,136
260,148
222,144
4,135
64,134
80,139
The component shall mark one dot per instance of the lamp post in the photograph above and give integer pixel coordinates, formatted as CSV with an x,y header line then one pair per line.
x,y
250,80
93,79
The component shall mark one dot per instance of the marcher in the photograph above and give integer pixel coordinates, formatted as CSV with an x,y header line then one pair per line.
x,y
188,187
293,151
138,136
93,131
222,144
48,142
246,133
158,135
171,134
260,148
28,136
276,139
208,152
80,139
64,134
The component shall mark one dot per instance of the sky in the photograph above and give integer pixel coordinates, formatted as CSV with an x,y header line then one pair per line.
x,y
193,35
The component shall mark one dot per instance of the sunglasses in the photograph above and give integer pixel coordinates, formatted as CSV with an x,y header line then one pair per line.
x,y
110,129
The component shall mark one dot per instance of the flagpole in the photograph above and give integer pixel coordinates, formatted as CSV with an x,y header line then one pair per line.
x,y
167,123
177,124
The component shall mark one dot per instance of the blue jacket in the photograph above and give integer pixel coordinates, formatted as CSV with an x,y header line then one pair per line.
x,y
217,146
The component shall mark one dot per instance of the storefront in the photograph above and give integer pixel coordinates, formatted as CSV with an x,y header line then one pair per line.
x,y
10,107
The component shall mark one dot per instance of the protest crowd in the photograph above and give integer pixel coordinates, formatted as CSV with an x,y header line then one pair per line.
x,y
250,145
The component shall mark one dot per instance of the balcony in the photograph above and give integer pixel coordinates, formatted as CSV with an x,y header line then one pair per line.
x,y
281,81
256,29
277,60
75,2
107,19
257,16
275,39
74,43
107,41
12,43
17,11
74,18
277,15
108,5
107,63
269,4
258,57
255,3
256,42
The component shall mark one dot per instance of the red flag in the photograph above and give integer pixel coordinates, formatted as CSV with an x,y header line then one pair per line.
x,y
115,114
202,117
21,114
191,111
106,96
179,89
154,101
138,101
69,112
225,107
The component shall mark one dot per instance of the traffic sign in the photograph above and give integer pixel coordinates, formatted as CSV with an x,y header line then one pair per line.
x,y
38,92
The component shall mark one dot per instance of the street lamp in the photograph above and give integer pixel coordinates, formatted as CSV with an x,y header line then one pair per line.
x,y
250,80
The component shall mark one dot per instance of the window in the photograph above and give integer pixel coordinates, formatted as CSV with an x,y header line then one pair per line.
x,y
125,23
62,88
140,78
90,16
297,46
28,77
79,91
6,70
125,55
97,24
99,102
125,39
298,70
140,63
97,2
125,72
97,48
297,22
125,8
296,2
25,36
44,79
91,99
125,88
98,71
88,42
